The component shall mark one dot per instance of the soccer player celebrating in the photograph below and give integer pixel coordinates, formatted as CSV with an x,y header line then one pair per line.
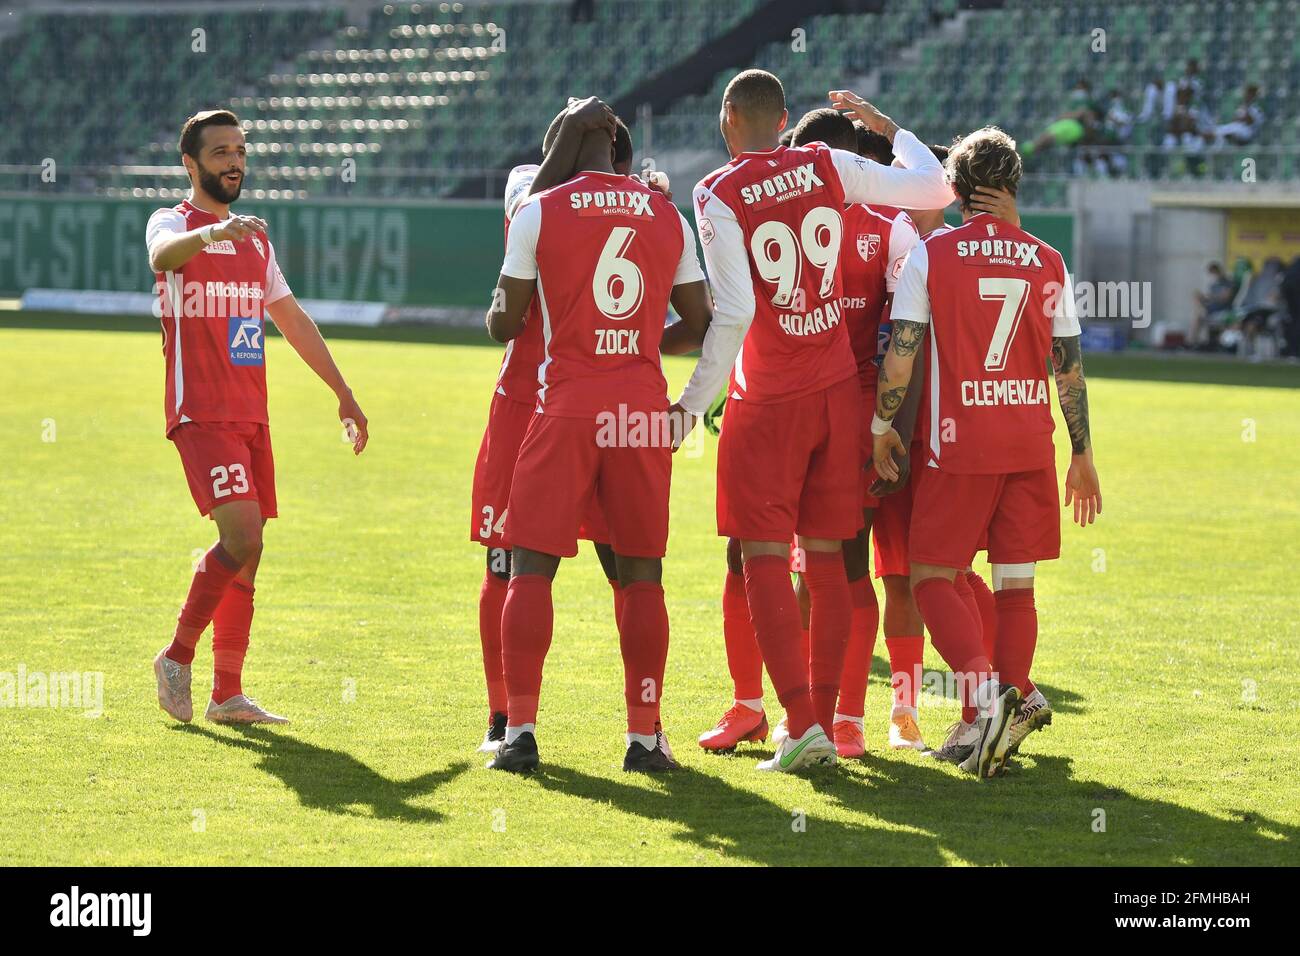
x,y
603,253
513,401
998,305
218,280
771,223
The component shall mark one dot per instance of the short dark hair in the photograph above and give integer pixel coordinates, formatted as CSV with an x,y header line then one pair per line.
x,y
622,138
756,94
827,126
940,152
986,157
786,137
873,145
192,130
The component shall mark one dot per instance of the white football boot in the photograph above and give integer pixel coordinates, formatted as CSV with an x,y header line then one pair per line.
x,y
813,749
989,757
173,687
1035,713
961,740
241,710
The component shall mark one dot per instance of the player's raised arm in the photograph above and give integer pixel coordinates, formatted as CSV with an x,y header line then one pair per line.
x,y
301,332
1082,486
171,245
580,118
518,279
727,264
921,185
690,299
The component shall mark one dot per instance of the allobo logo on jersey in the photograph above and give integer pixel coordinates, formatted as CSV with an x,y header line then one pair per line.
x,y
790,184
1009,252
245,337
611,202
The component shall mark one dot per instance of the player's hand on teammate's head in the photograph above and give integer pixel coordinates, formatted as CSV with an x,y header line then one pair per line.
x,y
354,420
995,202
681,422
239,227
1083,489
846,101
591,114
882,454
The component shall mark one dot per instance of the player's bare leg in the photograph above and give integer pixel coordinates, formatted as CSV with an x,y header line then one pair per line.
x,y
987,708
527,622
904,638
231,624
643,639
775,612
745,719
239,528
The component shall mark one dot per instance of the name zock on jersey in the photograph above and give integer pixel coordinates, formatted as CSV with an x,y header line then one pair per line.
x,y
788,184
618,341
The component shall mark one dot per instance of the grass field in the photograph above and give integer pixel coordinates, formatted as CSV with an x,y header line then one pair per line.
x,y
1168,646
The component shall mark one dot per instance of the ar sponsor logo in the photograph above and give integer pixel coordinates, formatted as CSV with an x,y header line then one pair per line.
x,y
799,181
245,341
74,908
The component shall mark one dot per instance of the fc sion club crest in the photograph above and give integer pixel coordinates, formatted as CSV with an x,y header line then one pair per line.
x,y
868,245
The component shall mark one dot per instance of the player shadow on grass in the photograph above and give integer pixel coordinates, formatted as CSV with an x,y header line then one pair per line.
x,y
333,780
1037,815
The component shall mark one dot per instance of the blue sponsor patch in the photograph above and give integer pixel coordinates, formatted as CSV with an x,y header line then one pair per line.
x,y
245,338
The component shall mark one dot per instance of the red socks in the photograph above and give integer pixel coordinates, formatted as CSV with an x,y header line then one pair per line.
x,y
988,609
1017,636
830,623
526,622
905,659
775,613
961,584
862,642
215,572
231,623
743,657
491,600
956,636
643,637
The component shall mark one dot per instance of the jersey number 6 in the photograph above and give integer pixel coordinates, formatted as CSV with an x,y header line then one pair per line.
x,y
616,284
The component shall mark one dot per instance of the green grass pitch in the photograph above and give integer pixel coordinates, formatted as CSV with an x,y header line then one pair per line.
x,y
1168,646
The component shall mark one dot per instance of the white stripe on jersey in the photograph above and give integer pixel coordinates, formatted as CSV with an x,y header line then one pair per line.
x,y
174,292
934,397
546,342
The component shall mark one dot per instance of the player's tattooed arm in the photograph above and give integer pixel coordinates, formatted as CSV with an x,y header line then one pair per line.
x,y
1067,366
510,298
896,371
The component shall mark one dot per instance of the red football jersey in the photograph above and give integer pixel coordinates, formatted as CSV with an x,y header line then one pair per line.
x,y
606,251
788,204
213,320
517,378
994,297
876,242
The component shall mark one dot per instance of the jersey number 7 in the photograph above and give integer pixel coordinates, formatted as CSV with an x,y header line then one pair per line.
x,y
1012,292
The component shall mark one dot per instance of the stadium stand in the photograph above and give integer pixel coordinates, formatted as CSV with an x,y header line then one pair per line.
x,y
435,99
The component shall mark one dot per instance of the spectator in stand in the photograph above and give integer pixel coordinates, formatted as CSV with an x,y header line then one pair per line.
x,y
1245,122
1186,89
1078,123
1212,306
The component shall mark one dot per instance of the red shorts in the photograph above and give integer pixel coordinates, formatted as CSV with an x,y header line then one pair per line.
x,y
227,461
561,471
952,514
494,470
792,467
889,530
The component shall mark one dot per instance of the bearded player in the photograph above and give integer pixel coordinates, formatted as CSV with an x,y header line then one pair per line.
x,y
603,253
218,281
992,304
771,225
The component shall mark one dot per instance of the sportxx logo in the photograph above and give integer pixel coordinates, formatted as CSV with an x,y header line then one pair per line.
x,y
797,181
1011,251
611,202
